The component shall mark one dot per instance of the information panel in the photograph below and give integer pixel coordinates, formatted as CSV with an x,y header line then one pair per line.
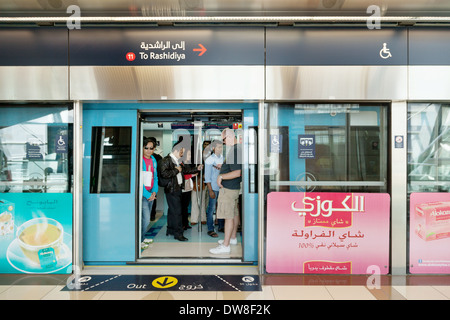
x,y
328,233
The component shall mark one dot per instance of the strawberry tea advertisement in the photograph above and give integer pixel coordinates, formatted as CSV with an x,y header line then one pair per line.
x,y
328,233
429,233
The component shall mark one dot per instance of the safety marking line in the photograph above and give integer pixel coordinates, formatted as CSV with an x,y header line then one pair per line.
x,y
227,283
102,282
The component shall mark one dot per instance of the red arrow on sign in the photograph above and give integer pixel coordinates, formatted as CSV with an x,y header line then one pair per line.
x,y
202,49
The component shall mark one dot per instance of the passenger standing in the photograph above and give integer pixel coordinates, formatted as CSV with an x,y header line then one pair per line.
x,y
172,176
158,158
229,181
212,168
187,190
198,207
150,187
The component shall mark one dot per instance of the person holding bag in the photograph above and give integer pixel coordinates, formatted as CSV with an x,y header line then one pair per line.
x,y
171,175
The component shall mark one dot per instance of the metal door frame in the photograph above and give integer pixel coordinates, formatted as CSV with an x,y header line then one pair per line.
x,y
168,260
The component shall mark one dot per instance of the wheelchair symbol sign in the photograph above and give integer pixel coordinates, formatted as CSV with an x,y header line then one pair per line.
x,y
385,52
61,144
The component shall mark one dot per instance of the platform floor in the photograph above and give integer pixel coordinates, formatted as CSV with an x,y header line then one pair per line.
x,y
274,287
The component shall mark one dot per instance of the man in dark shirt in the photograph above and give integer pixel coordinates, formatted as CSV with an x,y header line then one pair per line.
x,y
229,181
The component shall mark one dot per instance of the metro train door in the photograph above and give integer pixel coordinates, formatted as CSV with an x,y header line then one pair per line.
x,y
198,127
109,166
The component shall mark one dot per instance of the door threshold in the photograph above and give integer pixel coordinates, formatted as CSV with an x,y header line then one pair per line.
x,y
189,261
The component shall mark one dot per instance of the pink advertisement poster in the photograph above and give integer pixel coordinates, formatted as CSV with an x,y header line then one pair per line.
x,y
328,233
429,233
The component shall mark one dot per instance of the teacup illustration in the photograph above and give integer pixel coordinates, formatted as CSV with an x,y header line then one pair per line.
x,y
37,237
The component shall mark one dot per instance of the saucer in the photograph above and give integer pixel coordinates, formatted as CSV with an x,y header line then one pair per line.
x,y
19,261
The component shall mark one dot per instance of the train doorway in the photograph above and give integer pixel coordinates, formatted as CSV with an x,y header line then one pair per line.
x,y
201,134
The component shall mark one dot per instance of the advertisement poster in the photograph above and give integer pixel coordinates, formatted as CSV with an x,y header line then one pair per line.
x,y
328,233
36,233
429,233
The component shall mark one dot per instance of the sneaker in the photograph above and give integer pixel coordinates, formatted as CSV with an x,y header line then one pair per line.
x,y
232,241
144,246
220,249
148,241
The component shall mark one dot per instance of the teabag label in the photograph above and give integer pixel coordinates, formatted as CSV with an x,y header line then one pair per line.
x,y
47,258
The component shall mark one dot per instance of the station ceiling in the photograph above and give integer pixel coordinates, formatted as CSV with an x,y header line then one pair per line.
x,y
227,10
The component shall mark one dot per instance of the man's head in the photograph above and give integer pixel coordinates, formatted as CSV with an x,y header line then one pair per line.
x,y
217,147
228,137
178,148
149,146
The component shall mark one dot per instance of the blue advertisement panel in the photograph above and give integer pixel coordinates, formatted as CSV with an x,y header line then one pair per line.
x,y
36,233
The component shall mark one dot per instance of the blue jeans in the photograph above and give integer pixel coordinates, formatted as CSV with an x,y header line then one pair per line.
x,y
210,211
146,211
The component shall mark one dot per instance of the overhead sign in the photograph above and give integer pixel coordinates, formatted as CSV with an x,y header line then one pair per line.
x,y
429,46
166,46
33,46
336,46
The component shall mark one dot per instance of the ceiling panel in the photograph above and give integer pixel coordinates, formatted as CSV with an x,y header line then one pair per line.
x,y
199,8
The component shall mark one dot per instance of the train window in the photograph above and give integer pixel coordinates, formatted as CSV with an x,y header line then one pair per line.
x,y
327,148
428,147
36,148
110,160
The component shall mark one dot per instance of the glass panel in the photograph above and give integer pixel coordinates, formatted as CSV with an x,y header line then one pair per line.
x,y
36,149
110,160
330,159
326,147
428,147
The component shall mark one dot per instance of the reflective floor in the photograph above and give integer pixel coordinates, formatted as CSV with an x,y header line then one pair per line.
x,y
274,287
197,246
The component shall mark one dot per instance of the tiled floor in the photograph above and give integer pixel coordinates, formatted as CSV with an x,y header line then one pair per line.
x,y
274,287
197,246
